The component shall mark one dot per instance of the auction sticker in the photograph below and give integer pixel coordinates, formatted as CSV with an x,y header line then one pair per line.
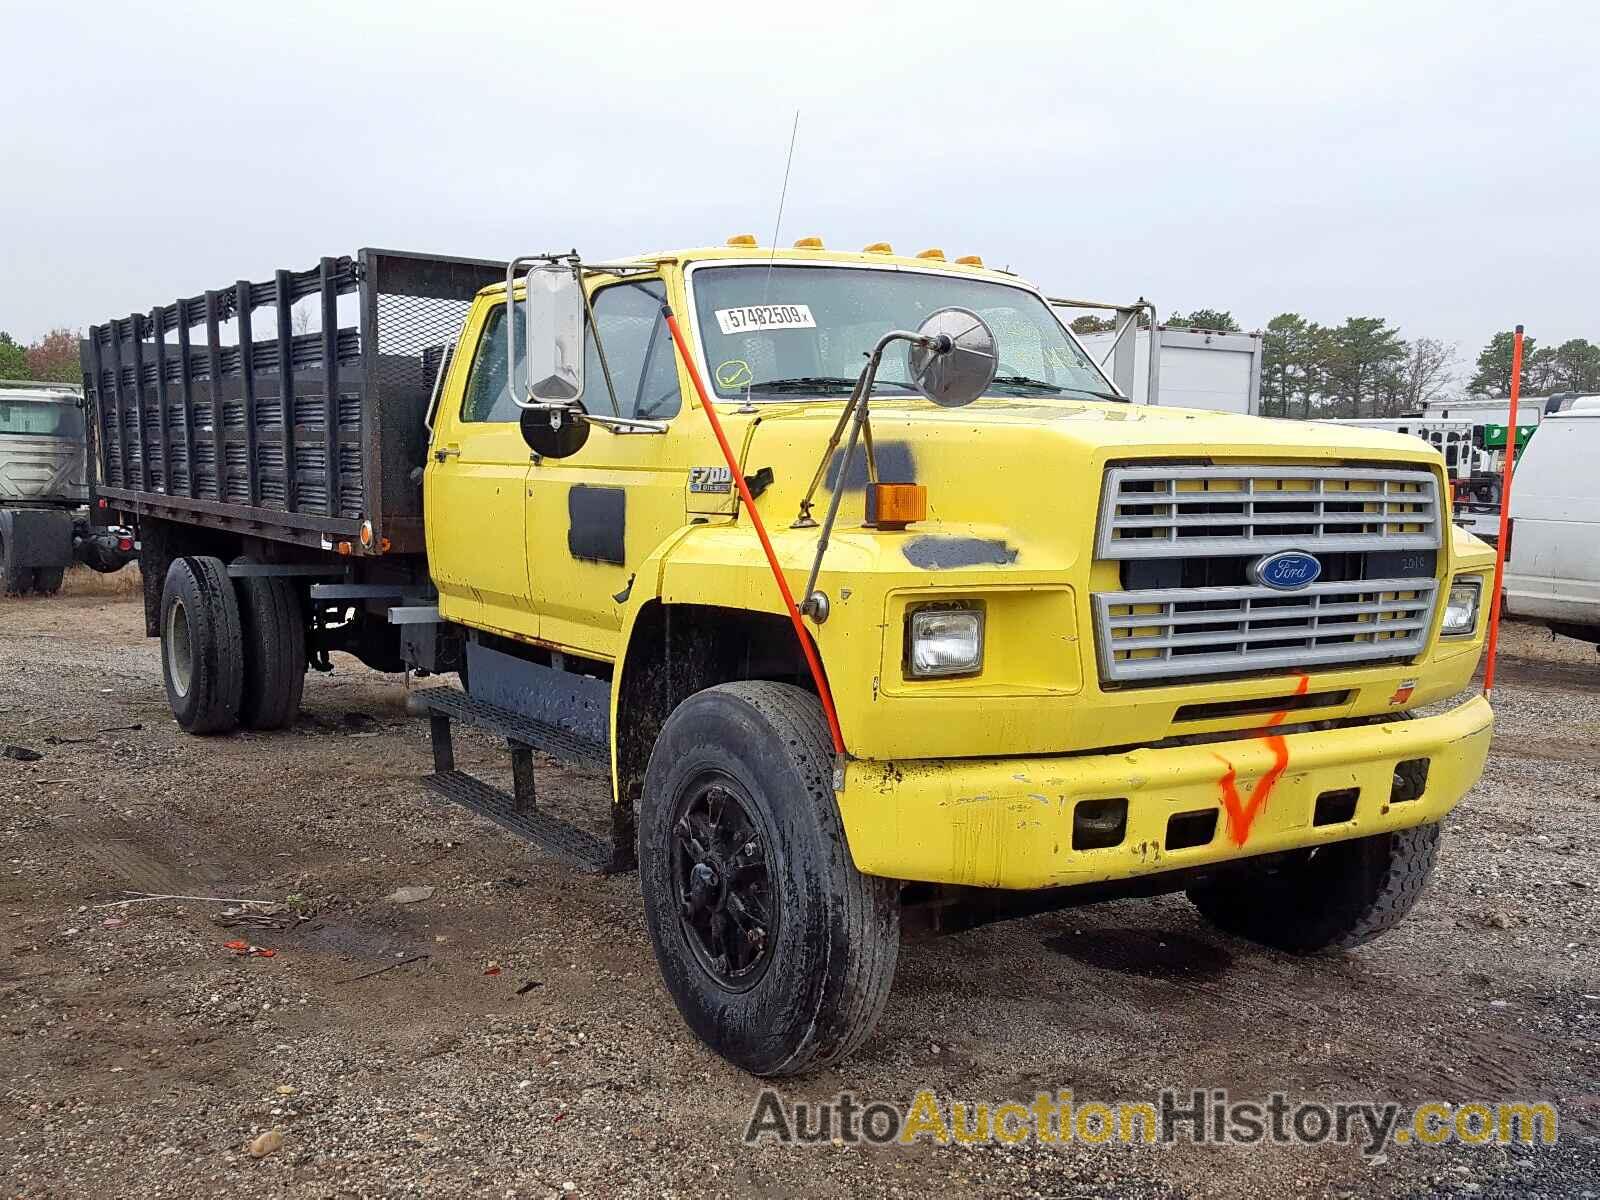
x,y
756,317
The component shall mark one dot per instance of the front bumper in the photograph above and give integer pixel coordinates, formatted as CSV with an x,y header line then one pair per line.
x,y
1007,822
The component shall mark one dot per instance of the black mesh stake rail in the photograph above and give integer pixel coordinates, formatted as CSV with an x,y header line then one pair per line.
x,y
164,459
282,293
303,436
328,287
186,398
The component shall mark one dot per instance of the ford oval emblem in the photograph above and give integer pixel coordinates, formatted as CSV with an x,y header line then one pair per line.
x,y
1287,571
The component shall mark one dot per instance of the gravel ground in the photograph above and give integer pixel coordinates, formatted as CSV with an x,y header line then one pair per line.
x,y
143,1058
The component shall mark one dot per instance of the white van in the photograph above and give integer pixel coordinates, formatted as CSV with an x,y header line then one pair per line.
x,y
1553,572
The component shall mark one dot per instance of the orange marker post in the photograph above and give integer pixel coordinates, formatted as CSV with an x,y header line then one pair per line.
x,y
806,648
1505,514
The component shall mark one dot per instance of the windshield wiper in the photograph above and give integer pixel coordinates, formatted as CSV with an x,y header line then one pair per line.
x,y
823,384
1025,381
1112,396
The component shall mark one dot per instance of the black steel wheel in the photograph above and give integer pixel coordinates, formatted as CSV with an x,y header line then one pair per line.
x,y
726,900
202,649
778,953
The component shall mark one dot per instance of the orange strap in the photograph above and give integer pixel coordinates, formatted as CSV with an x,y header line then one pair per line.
x,y
1506,472
806,645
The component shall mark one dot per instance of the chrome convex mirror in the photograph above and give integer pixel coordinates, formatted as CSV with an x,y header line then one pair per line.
x,y
555,430
954,359
553,321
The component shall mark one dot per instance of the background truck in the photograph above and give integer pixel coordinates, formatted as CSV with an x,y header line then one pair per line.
x,y
44,526
952,636
1477,506
1470,460
1190,368
1552,574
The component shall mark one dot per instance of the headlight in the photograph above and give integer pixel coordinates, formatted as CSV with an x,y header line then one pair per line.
x,y
1461,610
944,641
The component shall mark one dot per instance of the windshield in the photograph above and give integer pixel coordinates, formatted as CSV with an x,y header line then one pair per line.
x,y
805,331
40,418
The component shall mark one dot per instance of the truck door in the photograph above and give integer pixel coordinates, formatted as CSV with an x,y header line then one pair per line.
x,y
476,481
594,517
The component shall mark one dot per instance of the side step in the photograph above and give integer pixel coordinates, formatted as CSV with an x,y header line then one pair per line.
x,y
518,811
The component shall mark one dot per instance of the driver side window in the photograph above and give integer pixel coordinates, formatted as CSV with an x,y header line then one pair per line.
x,y
644,369
487,397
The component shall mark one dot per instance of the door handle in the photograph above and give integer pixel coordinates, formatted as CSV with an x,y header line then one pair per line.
x,y
444,452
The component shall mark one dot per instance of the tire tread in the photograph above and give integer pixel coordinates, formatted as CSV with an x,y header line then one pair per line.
x,y
274,652
1384,875
853,965
218,677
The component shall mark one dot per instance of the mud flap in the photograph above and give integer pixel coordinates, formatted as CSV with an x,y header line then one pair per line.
x,y
34,538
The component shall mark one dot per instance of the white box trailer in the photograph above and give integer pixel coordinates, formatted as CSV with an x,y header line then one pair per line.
x,y
1192,368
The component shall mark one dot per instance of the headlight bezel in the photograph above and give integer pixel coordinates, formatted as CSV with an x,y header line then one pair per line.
x,y
1464,583
923,615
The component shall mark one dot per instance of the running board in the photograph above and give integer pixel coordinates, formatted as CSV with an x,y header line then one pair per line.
x,y
573,846
571,748
518,811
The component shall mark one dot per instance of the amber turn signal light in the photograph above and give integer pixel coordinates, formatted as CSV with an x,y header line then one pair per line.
x,y
896,505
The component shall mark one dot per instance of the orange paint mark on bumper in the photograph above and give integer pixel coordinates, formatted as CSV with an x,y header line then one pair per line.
x,y
1242,813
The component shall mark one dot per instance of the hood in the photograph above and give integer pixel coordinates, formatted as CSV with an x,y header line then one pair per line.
x,y
1027,472
1091,426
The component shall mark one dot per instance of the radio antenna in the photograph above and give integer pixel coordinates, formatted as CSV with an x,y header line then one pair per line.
x,y
783,194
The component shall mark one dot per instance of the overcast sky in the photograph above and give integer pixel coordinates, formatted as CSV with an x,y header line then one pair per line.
x,y
1437,164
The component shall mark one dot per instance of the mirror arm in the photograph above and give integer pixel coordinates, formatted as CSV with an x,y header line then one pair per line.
x,y
622,424
841,485
866,446
858,395
804,521
605,367
860,398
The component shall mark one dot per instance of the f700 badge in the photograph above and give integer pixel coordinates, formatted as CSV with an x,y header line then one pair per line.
x,y
711,479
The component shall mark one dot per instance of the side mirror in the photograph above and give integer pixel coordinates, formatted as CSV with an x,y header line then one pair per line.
x,y
954,360
553,312
555,430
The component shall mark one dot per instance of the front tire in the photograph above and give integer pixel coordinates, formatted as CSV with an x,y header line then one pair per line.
x,y
202,651
1334,897
778,953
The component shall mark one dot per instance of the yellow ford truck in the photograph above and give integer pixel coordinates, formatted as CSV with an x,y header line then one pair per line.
x,y
880,604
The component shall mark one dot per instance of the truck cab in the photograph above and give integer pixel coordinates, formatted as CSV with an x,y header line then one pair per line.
x,y
881,604
41,445
43,489
1124,647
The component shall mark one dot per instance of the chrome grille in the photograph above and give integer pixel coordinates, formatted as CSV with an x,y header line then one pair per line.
x,y
1220,519
1187,511
1157,634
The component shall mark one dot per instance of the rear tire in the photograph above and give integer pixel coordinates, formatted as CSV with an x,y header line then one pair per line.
x,y
202,651
1334,897
274,635
778,953
47,580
